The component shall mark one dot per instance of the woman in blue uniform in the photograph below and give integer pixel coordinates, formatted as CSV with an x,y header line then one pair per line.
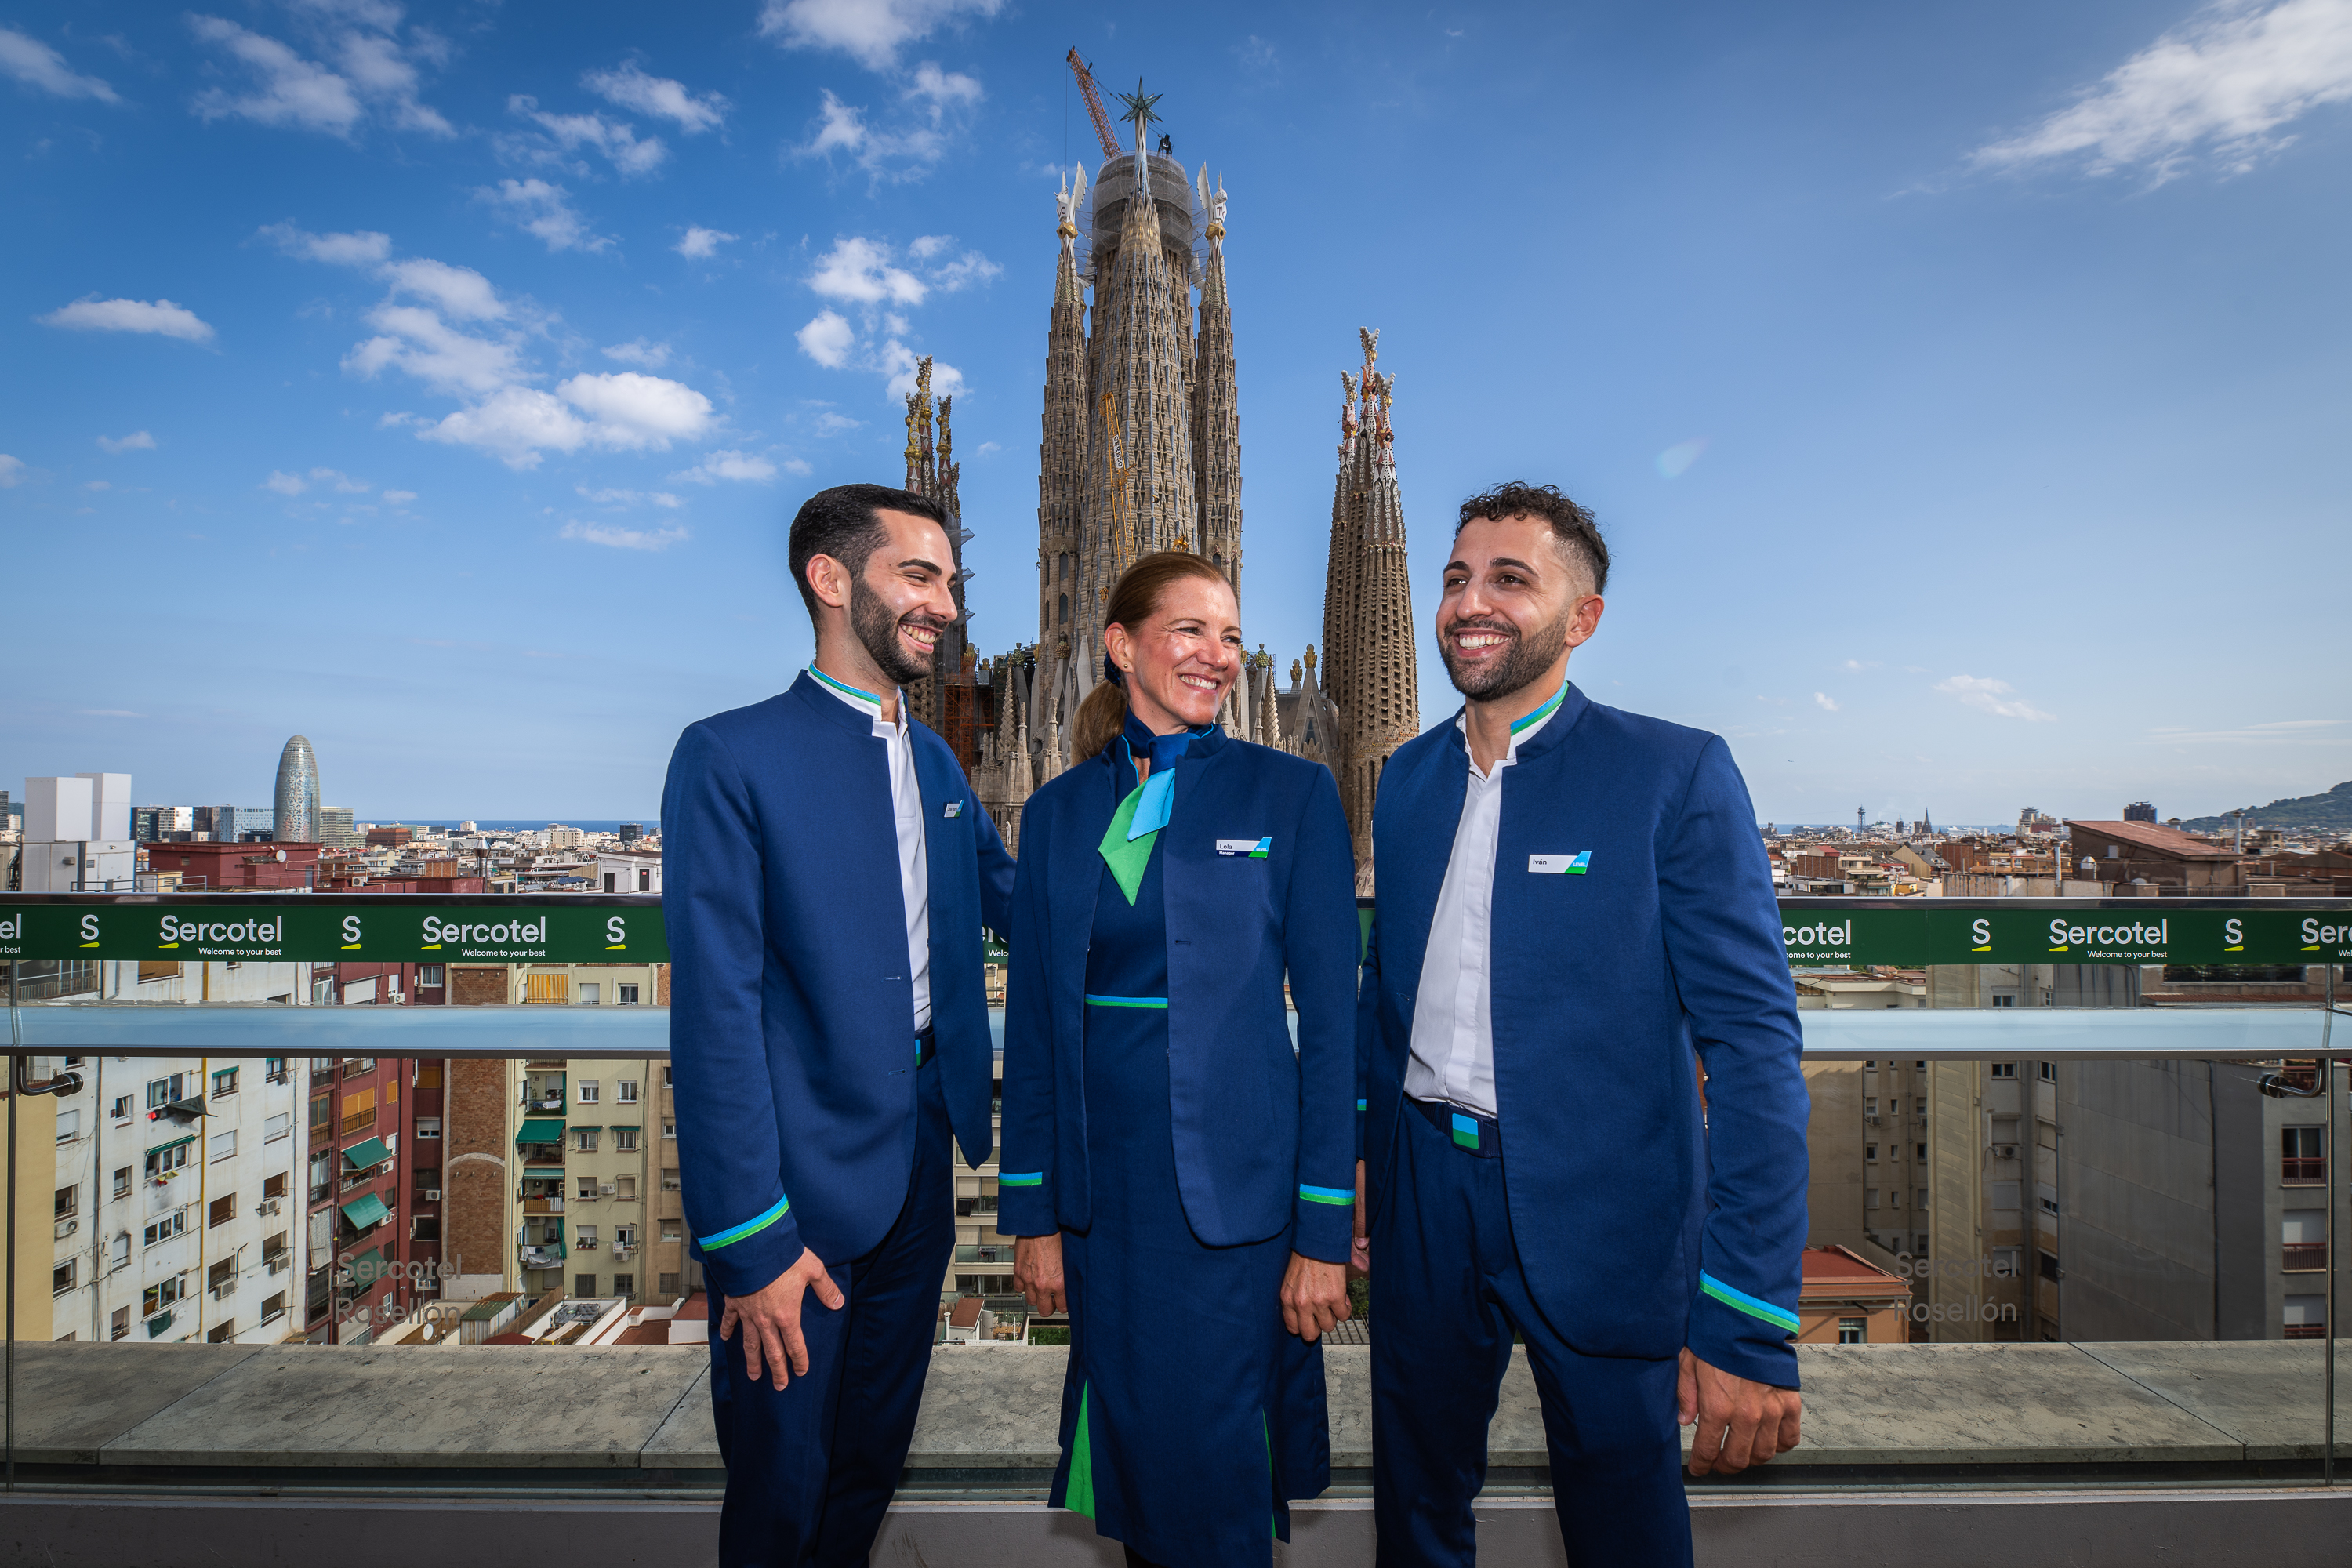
x,y
1180,1178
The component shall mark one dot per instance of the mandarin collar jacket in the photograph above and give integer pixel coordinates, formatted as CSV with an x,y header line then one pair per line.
x,y
1264,1133
1645,1220
792,1014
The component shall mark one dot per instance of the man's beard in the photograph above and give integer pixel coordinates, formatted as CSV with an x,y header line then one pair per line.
x,y
877,629
1528,658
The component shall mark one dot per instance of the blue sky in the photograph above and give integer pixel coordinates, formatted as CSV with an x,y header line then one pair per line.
x,y
1957,384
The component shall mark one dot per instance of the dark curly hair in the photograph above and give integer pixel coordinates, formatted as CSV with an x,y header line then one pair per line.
x,y
1571,525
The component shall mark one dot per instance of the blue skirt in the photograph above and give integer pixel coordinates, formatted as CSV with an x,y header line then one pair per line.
x,y
1189,1414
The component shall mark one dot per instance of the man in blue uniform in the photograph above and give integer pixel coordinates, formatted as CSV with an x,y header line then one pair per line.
x,y
828,870
1576,918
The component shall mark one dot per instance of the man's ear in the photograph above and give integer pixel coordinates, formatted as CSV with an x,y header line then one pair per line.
x,y
830,580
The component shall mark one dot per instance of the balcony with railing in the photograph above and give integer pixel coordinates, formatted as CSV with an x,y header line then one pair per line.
x,y
2035,1394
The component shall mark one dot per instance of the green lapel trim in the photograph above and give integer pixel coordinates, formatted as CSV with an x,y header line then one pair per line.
x,y
1079,1497
1127,857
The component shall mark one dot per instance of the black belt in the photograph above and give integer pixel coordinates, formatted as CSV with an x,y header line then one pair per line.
x,y
1469,1131
927,1044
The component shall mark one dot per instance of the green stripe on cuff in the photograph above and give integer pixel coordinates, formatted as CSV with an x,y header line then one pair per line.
x,y
710,1243
1740,1300
1026,1179
1324,1195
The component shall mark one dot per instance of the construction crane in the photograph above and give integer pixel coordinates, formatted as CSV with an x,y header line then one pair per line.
x,y
1103,132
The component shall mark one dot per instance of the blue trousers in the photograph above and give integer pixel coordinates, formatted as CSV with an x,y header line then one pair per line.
x,y
810,1467
1447,1291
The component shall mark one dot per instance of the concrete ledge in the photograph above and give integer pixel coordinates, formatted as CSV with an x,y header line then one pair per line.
x,y
639,1415
2303,1527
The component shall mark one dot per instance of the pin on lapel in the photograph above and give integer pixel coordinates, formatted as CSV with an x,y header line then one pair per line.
x,y
952,808
1561,865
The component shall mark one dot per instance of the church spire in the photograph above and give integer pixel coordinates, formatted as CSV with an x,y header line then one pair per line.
x,y
1062,452
1216,422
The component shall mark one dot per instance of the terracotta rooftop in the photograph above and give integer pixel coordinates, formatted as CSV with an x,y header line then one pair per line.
x,y
1841,1273
2169,842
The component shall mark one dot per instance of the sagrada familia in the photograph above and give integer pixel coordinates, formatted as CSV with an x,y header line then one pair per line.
x,y
1141,452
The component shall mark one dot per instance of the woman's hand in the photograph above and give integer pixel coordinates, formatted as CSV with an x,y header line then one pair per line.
x,y
1314,1297
1037,1270
1360,1249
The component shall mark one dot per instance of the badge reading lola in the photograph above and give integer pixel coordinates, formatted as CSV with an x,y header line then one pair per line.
x,y
1255,849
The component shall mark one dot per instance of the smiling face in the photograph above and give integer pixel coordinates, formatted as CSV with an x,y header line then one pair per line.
x,y
1515,602
1184,657
899,605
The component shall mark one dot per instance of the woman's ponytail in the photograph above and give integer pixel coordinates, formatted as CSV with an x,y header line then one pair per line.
x,y
1100,719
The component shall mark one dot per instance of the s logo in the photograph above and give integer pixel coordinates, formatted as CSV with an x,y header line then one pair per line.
x,y
616,932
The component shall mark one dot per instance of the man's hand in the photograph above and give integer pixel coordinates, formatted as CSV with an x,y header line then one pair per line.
x,y
1740,1422
1314,1297
770,1318
1359,1250
1037,1272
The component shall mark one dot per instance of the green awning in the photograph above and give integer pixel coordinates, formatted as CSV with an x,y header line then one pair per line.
x,y
173,1143
366,1156
585,1127
556,1171
626,1127
367,1266
367,1211
541,1132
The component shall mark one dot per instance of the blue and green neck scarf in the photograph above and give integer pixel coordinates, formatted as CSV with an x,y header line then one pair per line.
x,y
1134,826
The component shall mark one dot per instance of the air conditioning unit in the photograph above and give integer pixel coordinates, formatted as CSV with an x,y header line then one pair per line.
x,y
431,1194
2004,1151
66,1228
604,1189
275,1265
223,1292
269,1205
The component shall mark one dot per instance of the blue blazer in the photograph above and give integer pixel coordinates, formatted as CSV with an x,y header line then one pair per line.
x,y
1644,1222
791,1013
1264,1133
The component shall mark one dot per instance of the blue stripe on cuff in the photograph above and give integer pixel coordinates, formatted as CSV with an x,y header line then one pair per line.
x,y
708,1243
1326,1194
1095,1001
1740,1300
1026,1179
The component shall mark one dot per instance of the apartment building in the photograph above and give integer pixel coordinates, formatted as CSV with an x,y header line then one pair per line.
x,y
175,1215
983,1261
563,1170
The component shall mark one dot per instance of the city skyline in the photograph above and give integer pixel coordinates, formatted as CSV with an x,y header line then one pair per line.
x,y
1950,393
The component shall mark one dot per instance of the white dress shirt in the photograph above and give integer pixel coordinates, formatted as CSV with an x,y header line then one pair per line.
x,y
907,805
1453,1022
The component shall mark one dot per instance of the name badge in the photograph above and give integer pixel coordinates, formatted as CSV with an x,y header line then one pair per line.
x,y
1561,865
952,808
1255,849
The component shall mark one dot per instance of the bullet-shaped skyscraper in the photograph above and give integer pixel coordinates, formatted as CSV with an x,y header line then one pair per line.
x,y
298,794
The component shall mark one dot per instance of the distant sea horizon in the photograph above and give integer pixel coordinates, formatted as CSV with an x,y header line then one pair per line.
x,y
519,824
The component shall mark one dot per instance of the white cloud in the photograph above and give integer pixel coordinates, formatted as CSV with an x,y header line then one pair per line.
x,y
831,424
1861,664
1995,697
567,133
958,271
859,270
36,64
633,410
417,341
795,465
459,291
702,242
343,483
871,32
91,314
137,441
2227,81
631,87
97,485
628,498
400,497
11,470
291,90
943,89
935,105
828,339
639,352
545,211
364,248
725,465
1825,701
514,425
284,484
624,538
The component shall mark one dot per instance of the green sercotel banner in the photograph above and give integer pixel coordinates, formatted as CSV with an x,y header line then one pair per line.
x,y
191,930
208,931
1910,938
